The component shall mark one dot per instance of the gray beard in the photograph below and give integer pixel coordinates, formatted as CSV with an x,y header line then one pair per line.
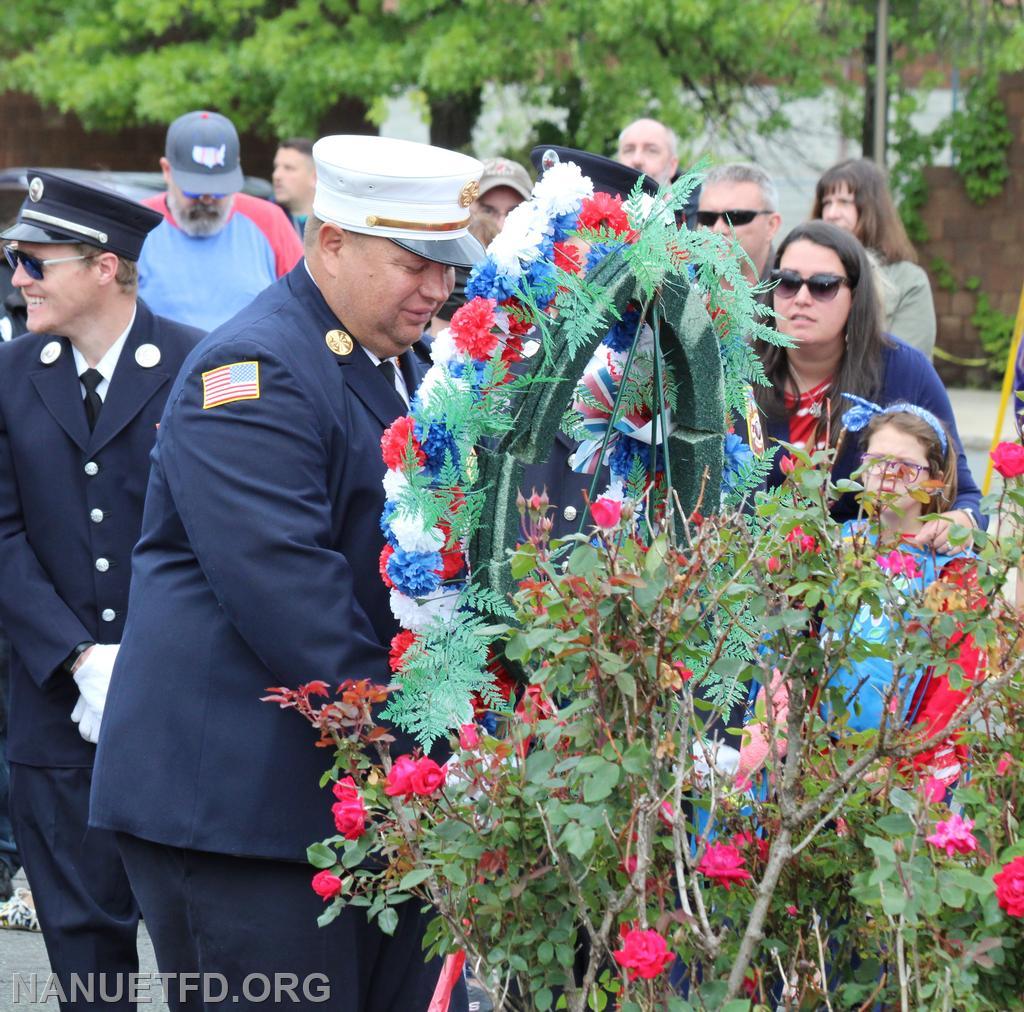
x,y
199,220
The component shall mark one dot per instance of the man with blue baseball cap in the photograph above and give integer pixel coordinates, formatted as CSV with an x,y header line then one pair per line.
x,y
216,248
80,399
258,566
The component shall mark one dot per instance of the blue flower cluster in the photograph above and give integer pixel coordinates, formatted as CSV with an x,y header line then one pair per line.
x,y
564,225
625,451
413,574
623,333
485,281
737,456
385,520
436,441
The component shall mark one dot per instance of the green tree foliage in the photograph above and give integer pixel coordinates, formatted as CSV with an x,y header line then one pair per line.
x,y
280,67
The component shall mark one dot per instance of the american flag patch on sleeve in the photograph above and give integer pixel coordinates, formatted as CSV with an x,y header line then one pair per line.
x,y
239,381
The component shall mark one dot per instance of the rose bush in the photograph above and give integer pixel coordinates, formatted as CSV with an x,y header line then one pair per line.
x,y
602,849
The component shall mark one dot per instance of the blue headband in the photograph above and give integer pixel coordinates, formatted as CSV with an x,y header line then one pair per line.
x,y
858,417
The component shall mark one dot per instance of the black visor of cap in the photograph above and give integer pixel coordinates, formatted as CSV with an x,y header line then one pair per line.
x,y
464,252
608,176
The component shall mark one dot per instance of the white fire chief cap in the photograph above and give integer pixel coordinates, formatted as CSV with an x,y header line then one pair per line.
x,y
414,194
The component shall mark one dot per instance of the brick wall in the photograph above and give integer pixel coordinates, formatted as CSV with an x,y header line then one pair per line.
x,y
986,242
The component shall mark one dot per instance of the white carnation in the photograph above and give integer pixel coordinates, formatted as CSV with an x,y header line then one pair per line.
x,y
442,349
413,535
561,189
395,483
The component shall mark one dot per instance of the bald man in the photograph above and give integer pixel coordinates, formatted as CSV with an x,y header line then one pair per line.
x,y
649,147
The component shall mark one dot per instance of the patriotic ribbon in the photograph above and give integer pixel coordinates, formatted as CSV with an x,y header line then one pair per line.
x,y
597,413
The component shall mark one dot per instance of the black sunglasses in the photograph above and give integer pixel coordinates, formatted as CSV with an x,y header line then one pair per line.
x,y
823,287
710,218
33,265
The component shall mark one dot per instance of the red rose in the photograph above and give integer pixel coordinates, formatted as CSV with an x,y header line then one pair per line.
x,y
472,328
774,564
350,817
400,776
398,441
643,954
787,464
345,789
1010,886
606,512
1008,459
723,864
427,777
326,885
400,643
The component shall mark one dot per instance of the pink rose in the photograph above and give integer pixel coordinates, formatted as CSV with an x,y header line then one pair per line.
x,y
469,736
1008,459
723,864
606,512
643,954
326,885
1005,762
787,464
954,836
427,777
350,818
1010,887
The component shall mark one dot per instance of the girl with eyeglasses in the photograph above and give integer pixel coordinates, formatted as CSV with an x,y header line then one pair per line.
x,y
825,302
854,196
908,469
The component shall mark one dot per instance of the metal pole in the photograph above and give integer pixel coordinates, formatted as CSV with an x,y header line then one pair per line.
x,y
881,73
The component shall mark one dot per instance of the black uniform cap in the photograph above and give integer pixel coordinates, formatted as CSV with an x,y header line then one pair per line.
x,y
59,209
607,176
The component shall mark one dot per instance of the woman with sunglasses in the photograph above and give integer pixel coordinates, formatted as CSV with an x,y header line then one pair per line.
x,y
825,301
853,195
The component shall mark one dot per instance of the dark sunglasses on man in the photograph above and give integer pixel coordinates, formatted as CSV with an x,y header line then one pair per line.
x,y
732,218
33,265
823,287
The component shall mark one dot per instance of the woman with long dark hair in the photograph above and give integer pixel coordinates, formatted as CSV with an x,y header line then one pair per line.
x,y
825,300
854,196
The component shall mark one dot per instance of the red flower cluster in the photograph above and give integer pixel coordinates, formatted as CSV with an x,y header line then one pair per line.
x,y
1010,887
518,319
723,864
643,954
326,885
472,328
410,776
382,566
605,211
398,439
1008,459
804,542
400,643
568,257
350,810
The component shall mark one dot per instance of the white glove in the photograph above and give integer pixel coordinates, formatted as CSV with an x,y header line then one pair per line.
x,y
93,675
87,719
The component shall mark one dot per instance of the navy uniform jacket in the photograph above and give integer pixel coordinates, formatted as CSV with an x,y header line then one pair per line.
x,y
257,567
69,499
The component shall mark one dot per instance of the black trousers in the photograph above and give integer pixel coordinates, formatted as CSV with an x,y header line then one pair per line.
x,y
81,892
244,931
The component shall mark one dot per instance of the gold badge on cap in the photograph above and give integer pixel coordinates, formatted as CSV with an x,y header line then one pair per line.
x,y
147,355
339,342
35,189
469,193
50,353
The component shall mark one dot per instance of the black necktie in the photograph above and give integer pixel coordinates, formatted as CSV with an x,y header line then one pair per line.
x,y
387,370
91,379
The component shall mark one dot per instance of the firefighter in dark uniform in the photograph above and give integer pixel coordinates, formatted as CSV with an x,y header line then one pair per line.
x,y
258,566
80,399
